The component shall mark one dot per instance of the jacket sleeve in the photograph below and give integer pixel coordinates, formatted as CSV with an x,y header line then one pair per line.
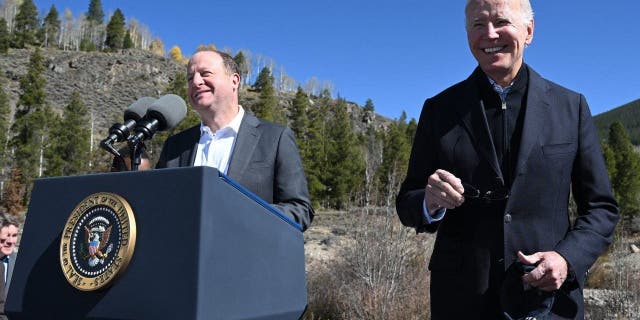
x,y
597,209
290,191
422,163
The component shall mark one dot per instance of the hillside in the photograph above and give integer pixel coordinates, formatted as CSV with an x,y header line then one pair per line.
x,y
628,115
109,82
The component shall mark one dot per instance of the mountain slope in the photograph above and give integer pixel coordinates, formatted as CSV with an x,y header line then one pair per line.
x,y
628,115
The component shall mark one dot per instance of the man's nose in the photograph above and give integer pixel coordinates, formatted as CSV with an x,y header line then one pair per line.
x,y
491,32
197,79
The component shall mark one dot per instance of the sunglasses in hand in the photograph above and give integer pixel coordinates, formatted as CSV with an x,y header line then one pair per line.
x,y
473,193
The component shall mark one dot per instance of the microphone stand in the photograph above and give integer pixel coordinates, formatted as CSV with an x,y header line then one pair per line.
x,y
107,145
136,148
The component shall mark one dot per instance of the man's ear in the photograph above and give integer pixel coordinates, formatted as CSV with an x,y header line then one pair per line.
x,y
530,27
235,79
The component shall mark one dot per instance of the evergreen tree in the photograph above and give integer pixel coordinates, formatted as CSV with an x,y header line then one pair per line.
x,y
267,102
299,118
178,86
264,78
395,157
325,94
32,85
128,42
626,181
609,160
32,119
241,61
32,137
86,44
51,28
68,153
25,25
5,37
345,162
412,127
93,33
13,194
313,152
368,111
115,32
5,112
95,15
368,106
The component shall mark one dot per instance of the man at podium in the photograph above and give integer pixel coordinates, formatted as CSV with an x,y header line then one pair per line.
x,y
260,155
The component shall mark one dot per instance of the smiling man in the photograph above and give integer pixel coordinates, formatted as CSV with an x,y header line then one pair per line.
x,y
493,162
259,155
9,228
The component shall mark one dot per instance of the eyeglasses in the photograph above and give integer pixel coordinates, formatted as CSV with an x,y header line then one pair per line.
x,y
471,192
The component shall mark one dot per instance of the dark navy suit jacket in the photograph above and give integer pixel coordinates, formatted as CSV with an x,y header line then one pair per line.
x,y
559,152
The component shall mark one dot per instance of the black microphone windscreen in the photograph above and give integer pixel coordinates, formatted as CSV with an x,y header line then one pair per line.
x,y
138,109
169,110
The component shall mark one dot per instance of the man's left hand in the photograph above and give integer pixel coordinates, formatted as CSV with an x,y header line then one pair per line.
x,y
550,272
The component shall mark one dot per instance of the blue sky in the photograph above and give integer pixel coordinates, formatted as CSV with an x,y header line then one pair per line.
x,y
398,53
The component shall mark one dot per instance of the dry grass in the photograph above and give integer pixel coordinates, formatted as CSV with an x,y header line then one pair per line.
x,y
366,265
615,278
381,275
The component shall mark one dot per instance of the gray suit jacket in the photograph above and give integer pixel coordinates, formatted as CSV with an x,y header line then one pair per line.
x,y
265,160
4,287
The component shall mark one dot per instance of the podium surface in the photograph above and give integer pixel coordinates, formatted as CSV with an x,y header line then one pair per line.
x,y
205,249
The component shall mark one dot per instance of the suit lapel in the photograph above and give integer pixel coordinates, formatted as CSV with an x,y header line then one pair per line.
x,y
12,263
189,155
537,108
246,142
475,122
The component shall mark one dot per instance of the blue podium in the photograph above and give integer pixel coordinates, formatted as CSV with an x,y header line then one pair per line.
x,y
205,248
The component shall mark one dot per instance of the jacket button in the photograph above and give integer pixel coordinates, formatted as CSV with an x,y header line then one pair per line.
x,y
507,218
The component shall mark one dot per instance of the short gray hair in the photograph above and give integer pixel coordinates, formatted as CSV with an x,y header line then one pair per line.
x,y
525,6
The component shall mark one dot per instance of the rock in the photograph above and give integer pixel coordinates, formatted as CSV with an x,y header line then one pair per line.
x,y
635,248
610,304
635,224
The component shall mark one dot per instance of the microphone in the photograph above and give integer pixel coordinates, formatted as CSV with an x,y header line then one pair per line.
x,y
120,132
163,114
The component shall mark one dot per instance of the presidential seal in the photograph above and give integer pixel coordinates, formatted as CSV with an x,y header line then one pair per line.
x,y
97,242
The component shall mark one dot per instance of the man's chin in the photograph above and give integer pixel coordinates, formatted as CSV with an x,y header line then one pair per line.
x,y
6,252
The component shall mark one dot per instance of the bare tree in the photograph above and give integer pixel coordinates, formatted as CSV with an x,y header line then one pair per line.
x,y
259,61
140,34
134,32
373,159
328,86
289,83
312,86
9,10
157,47
66,30
248,78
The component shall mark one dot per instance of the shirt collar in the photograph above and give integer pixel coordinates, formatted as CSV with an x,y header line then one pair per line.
x,y
234,125
502,92
518,83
